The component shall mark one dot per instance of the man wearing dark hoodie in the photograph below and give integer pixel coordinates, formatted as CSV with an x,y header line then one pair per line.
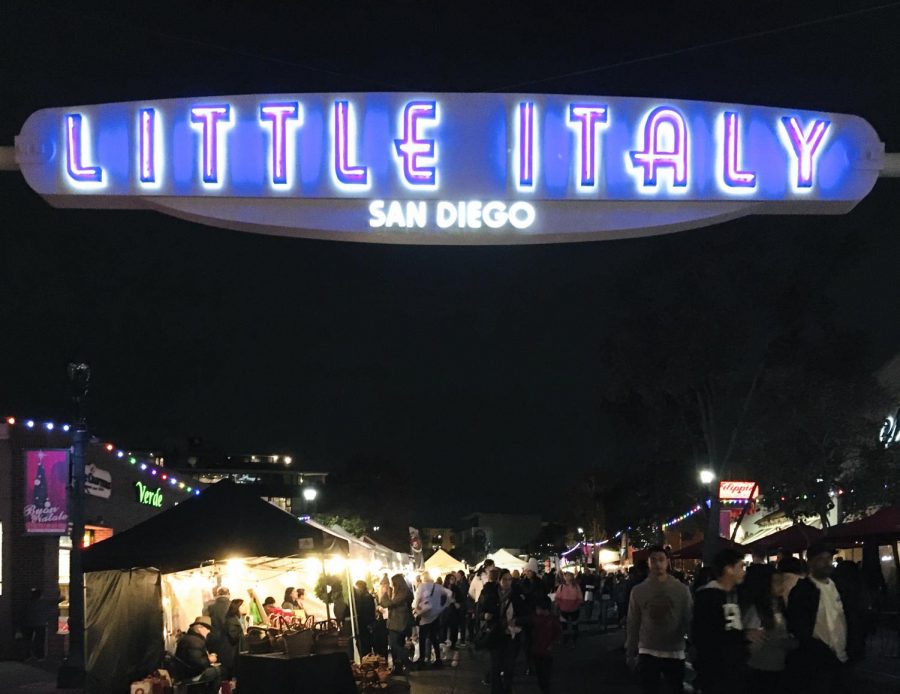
x,y
718,631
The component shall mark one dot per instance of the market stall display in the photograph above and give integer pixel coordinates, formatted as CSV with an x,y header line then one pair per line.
x,y
225,536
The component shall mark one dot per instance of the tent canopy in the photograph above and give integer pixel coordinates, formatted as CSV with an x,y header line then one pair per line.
x,y
504,559
225,521
443,562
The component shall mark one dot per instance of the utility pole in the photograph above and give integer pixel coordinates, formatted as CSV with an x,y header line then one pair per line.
x,y
71,672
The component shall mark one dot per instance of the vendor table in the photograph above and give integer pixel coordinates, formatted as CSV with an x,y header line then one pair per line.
x,y
275,673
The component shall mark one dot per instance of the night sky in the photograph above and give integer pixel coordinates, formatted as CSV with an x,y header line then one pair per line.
x,y
478,367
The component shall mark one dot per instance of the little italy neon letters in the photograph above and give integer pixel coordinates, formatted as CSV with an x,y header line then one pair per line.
x,y
661,157
450,168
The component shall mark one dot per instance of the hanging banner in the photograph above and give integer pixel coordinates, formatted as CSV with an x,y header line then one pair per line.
x,y
453,168
46,492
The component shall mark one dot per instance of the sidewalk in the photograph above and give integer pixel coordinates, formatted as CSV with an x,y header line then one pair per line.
x,y
27,678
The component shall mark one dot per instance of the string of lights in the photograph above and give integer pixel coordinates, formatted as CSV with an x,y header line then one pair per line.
x,y
150,468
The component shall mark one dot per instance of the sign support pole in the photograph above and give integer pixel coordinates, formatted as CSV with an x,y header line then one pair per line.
x,y
71,672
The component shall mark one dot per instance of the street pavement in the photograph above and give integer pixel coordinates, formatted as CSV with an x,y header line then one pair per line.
x,y
595,665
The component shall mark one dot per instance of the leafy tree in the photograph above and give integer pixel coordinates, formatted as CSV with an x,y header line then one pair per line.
x,y
814,433
352,524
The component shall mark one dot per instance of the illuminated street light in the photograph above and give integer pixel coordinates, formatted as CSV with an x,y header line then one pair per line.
x,y
310,494
707,476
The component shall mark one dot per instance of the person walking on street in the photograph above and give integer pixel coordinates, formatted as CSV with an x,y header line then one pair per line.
x,y
762,609
718,631
569,599
398,598
431,600
34,625
545,634
816,616
659,617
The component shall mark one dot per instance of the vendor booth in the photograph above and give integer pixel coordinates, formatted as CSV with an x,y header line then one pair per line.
x,y
504,559
144,586
441,563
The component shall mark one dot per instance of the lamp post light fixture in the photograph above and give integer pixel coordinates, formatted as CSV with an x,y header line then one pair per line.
x,y
310,493
707,476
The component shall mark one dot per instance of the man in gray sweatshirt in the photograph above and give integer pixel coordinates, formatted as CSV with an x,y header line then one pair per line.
x,y
659,616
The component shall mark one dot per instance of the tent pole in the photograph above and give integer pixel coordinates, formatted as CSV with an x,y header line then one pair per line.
x,y
354,629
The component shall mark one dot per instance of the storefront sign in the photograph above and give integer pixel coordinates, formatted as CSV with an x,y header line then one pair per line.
x,y
738,490
150,497
450,168
97,482
46,486
890,430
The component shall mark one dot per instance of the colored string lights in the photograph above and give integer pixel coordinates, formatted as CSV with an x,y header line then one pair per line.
x,y
150,468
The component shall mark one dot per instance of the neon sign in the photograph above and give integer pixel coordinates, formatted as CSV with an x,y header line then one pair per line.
x,y
738,490
147,496
450,168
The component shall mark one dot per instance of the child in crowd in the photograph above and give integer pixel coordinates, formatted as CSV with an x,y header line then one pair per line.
x,y
546,632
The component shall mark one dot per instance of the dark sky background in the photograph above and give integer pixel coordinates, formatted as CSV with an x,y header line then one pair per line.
x,y
473,363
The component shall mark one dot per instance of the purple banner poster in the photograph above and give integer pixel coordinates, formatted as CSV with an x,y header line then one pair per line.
x,y
46,502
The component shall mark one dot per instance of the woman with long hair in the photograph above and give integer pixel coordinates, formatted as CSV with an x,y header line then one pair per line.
x,y
569,599
762,607
290,599
234,633
398,599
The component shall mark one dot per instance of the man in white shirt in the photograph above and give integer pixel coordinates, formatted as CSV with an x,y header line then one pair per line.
x,y
817,618
431,599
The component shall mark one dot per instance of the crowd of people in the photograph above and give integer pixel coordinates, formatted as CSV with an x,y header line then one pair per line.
x,y
793,626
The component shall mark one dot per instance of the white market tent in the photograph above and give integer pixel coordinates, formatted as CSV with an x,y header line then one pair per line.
x,y
441,563
504,559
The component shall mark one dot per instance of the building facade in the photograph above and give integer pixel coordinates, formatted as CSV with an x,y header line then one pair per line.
x,y
122,489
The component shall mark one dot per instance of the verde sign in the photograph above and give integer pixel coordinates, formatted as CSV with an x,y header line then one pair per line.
x,y
450,168
150,497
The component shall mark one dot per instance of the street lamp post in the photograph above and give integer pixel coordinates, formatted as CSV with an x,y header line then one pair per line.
x,y
309,497
71,672
711,537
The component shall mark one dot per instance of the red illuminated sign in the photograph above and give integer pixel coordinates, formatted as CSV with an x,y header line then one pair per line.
x,y
738,490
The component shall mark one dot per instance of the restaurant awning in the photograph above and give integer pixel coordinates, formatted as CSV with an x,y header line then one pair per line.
x,y
882,526
794,538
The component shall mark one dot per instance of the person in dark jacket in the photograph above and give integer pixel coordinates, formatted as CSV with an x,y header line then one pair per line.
x,y
364,604
821,616
234,633
398,599
192,659
717,628
217,642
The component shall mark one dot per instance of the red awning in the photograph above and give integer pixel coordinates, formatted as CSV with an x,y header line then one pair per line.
x,y
883,525
795,538
695,549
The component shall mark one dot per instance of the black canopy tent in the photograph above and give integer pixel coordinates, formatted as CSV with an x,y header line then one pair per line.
x,y
123,594
224,520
